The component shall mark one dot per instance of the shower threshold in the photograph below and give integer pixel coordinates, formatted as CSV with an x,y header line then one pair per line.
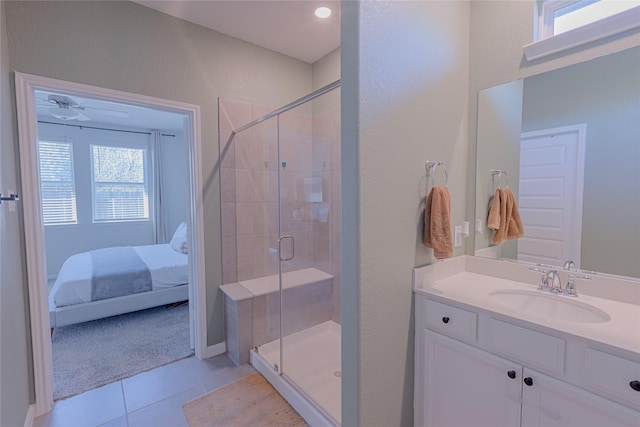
x,y
311,371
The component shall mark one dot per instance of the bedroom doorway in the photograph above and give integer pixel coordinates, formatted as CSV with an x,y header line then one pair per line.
x,y
67,102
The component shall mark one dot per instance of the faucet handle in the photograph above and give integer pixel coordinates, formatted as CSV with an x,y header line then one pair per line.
x,y
570,289
543,280
548,281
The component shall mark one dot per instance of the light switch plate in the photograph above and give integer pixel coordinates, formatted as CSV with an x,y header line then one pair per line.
x,y
457,236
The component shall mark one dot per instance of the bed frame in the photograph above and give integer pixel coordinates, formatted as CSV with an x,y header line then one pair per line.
x,y
78,313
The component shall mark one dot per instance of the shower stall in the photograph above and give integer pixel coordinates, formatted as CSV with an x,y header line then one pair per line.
x,y
281,200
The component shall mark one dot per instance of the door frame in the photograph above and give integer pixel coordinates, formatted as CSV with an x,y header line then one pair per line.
x,y
25,86
581,131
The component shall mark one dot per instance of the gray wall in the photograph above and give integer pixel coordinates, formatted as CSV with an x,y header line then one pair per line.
x,y
326,69
398,110
176,178
15,351
128,47
125,46
405,95
605,95
498,141
499,30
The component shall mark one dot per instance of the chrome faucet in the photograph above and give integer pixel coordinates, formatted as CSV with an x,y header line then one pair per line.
x,y
568,264
570,288
550,282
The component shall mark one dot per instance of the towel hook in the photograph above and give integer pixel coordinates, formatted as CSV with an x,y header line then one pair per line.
x,y
431,166
500,173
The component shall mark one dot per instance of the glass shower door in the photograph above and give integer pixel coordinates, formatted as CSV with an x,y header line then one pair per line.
x,y
309,187
257,231
280,186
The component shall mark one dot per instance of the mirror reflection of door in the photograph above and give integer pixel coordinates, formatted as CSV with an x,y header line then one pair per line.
x,y
551,171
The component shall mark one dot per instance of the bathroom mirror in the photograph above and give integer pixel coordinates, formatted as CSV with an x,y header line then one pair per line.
x,y
568,141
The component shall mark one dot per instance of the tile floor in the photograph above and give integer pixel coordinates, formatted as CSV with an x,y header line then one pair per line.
x,y
149,399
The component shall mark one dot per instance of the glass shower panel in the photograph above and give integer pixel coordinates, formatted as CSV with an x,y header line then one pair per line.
x,y
257,228
309,168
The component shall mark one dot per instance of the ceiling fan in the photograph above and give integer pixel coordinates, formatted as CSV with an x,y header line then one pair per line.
x,y
65,108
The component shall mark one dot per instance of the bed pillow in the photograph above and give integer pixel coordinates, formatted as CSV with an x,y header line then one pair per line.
x,y
179,240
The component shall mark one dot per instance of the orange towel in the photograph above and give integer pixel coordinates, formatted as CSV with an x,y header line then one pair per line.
x,y
504,217
437,223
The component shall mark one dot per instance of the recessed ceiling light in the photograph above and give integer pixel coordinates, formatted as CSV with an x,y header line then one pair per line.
x,y
323,12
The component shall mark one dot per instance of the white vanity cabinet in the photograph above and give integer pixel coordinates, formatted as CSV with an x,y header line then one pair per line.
x,y
549,403
473,370
464,386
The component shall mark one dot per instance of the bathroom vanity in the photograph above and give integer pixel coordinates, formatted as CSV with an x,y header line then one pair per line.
x,y
494,350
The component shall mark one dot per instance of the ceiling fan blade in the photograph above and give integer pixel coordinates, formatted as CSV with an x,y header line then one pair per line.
x,y
114,113
60,99
44,101
81,117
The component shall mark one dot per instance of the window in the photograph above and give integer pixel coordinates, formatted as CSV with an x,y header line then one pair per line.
x,y
57,190
585,12
564,24
120,187
560,16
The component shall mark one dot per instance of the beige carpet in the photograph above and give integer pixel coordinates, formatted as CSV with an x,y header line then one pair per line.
x,y
91,354
250,401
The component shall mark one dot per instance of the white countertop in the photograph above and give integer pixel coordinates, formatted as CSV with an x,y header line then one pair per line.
x,y
466,281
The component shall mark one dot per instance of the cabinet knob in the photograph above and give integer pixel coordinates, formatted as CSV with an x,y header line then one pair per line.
x,y
511,374
528,381
445,319
635,385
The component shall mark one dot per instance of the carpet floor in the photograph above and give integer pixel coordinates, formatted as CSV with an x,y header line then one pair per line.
x,y
249,401
91,354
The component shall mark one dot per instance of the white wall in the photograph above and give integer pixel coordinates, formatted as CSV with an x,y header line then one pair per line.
x,y
128,47
405,96
15,353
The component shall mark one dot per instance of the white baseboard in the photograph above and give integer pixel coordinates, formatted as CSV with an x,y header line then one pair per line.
x,y
31,416
213,350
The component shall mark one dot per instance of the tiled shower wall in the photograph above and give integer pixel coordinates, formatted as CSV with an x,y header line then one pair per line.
x,y
309,191
327,220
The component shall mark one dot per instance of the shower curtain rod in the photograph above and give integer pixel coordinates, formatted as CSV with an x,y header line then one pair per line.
x,y
98,128
289,106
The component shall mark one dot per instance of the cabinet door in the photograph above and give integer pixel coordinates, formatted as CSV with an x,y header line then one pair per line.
x,y
547,402
464,386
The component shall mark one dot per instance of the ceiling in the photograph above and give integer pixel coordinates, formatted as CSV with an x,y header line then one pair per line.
x,y
288,27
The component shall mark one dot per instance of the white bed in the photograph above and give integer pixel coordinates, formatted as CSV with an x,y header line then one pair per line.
x,y
70,297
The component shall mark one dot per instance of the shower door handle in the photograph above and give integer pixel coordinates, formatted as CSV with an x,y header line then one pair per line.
x,y
293,247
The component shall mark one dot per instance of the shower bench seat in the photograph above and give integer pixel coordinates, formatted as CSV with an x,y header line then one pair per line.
x,y
251,308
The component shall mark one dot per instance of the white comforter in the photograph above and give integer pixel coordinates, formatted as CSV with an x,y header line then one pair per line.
x,y
73,285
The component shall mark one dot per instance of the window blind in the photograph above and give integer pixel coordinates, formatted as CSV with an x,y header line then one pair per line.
x,y
120,189
57,188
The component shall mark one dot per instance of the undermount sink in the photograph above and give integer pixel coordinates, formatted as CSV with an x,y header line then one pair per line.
x,y
549,306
